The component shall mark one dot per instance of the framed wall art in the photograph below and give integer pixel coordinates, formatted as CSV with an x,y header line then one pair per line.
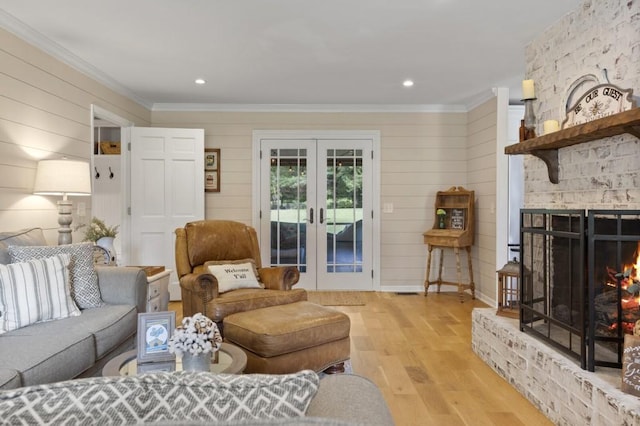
x,y
212,170
154,331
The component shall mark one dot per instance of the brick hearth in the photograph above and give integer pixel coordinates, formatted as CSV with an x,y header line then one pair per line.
x,y
553,383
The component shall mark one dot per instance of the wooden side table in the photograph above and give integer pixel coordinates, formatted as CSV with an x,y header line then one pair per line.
x,y
158,291
453,227
461,286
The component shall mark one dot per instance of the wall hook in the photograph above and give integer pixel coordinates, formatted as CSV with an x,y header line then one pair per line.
x,y
111,175
97,173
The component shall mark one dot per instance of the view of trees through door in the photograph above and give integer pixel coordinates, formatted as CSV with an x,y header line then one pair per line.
x,y
318,193
344,208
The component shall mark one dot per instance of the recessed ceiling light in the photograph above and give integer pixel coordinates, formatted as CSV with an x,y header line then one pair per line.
x,y
200,81
407,83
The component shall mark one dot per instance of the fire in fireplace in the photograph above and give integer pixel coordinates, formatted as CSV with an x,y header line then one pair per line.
x,y
613,298
606,303
574,294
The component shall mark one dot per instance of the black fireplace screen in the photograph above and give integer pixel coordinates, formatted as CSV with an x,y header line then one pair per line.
x,y
553,290
613,301
572,295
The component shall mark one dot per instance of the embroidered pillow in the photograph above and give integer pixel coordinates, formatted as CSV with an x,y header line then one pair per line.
x,y
232,277
235,262
35,291
83,277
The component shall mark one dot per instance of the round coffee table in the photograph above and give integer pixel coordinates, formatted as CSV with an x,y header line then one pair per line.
x,y
231,360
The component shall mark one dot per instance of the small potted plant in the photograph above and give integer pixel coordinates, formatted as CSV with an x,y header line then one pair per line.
x,y
442,214
102,235
195,341
97,229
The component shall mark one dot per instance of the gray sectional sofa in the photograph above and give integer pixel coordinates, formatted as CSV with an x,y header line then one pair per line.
x,y
77,346
37,361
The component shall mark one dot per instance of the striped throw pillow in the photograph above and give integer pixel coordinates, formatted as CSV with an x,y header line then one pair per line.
x,y
35,291
83,277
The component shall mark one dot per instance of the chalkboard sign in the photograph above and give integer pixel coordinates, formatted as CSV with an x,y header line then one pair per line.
x,y
457,219
631,365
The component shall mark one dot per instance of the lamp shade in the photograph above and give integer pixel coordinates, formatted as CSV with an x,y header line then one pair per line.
x,y
62,177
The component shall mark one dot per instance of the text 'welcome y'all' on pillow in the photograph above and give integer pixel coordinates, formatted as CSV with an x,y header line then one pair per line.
x,y
234,276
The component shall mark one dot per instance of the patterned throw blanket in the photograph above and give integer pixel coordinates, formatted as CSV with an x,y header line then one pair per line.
x,y
161,397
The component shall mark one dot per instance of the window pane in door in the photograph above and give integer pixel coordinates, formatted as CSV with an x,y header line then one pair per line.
x,y
288,207
344,210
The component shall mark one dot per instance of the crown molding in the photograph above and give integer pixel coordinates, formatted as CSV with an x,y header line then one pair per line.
x,y
33,37
328,108
482,97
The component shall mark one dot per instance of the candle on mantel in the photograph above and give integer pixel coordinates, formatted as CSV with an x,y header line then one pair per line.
x,y
528,91
550,126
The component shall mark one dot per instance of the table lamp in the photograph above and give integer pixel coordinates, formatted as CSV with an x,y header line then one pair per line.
x,y
63,177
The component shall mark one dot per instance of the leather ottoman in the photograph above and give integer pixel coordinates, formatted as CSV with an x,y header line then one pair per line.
x,y
288,338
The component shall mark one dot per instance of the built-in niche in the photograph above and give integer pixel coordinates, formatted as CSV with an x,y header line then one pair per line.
x,y
109,175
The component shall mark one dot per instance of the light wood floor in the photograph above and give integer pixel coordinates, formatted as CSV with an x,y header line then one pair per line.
x,y
418,351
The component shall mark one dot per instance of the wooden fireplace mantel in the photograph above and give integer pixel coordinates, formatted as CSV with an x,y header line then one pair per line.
x,y
546,147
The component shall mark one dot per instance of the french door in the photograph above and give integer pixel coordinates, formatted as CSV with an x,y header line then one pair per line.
x,y
316,210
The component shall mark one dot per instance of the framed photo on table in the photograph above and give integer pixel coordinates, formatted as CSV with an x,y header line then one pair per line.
x,y
212,170
154,331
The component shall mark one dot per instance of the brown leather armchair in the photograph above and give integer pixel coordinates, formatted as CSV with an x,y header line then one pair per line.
x,y
222,240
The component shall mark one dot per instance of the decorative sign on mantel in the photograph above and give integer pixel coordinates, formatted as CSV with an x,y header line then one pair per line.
x,y
599,101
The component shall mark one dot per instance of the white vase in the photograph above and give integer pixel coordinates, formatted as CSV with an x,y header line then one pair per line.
x,y
107,244
200,362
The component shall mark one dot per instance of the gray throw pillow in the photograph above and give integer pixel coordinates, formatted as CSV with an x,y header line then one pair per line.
x,y
83,277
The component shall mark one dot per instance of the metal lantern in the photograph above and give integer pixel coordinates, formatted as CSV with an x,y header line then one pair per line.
x,y
508,290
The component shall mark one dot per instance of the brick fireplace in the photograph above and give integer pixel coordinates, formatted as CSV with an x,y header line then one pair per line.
x,y
601,174
554,383
572,297
566,262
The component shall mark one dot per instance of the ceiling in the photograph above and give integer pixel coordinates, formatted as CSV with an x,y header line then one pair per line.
x,y
329,54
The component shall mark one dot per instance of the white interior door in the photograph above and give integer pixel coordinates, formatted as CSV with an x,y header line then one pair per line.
x,y
167,191
316,210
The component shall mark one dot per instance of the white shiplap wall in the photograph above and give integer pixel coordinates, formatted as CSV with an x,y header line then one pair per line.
x,y
481,176
421,154
45,110
44,114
